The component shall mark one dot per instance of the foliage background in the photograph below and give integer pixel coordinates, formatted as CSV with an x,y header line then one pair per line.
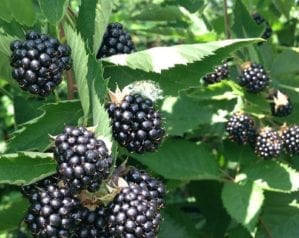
x,y
215,187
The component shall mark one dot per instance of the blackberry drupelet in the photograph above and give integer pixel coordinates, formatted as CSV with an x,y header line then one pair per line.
x,y
136,124
268,143
290,138
280,104
54,213
220,72
116,41
132,214
83,160
254,77
143,179
38,62
267,33
241,128
93,224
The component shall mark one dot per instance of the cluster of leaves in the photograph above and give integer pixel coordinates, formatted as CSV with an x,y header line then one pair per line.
x,y
215,188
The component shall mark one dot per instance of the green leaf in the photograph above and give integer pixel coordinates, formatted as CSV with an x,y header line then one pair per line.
x,y
35,133
92,21
54,10
280,217
284,6
26,167
163,58
181,160
5,41
192,5
13,208
243,203
5,12
286,179
80,63
23,11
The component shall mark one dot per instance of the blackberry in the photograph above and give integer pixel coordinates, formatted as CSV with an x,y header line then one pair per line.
x,y
143,179
38,62
254,77
116,41
281,105
220,72
83,160
268,143
241,129
136,124
93,224
290,138
54,213
131,214
267,33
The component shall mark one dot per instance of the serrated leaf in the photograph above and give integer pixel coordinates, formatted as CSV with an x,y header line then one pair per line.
x,y
5,41
92,21
22,11
163,58
35,133
273,176
181,160
80,63
53,9
243,203
13,207
25,167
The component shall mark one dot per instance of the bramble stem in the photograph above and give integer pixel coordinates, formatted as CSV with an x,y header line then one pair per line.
x,y
226,20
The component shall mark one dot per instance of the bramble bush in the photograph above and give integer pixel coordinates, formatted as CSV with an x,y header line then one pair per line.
x,y
164,118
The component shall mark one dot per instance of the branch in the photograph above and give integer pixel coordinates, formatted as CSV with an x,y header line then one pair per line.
x,y
268,232
226,20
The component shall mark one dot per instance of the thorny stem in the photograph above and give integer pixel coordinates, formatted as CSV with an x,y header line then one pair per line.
x,y
268,232
226,20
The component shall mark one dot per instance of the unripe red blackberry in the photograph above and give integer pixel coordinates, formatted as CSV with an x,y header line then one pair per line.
x,y
136,124
290,138
93,224
83,160
280,103
131,214
220,72
54,213
268,143
38,62
155,187
116,41
241,128
254,77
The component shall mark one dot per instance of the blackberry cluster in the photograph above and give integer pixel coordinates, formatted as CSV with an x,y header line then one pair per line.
x,y
83,161
132,214
220,72
268,143
53,213
93,224
38,62
116,41
254,77
290,138
136,124
155,187
267,33
241,128
280,104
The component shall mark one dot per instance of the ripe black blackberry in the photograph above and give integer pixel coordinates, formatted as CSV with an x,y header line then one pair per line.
x,y
220,72
155,187
132,214
116,41
54,213
280,103
241,128
136,124
253,77
260,20
268,143
93,224
38,62
83,160
290,138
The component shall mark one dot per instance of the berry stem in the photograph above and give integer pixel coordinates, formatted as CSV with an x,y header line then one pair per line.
x,y
5,92
70,85
226,20
268,232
